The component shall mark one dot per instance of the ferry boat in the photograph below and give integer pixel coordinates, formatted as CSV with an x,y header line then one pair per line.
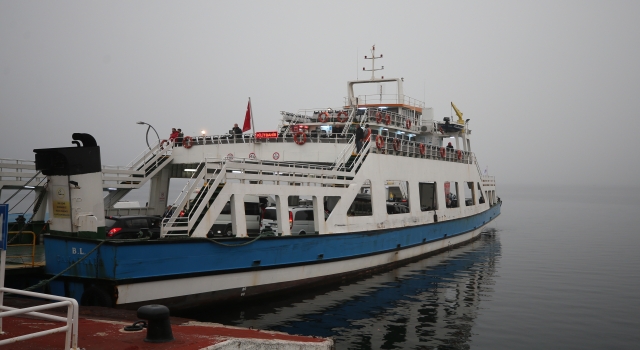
x,y
397,196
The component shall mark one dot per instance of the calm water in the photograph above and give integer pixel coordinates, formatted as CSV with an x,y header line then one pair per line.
x,y
561,270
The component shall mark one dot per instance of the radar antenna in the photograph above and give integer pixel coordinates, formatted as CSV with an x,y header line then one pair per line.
x,y
373,65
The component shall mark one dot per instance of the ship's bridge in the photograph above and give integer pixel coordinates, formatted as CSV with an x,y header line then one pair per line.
x,y
397,100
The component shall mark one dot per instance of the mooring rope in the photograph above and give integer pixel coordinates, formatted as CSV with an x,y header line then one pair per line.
x,y
234,245
45,282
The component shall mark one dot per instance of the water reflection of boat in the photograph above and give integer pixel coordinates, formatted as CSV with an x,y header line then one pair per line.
x,y
432,303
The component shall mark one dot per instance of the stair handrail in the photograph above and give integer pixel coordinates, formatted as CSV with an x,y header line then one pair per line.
x,y
139,159
184,195
195,213
357,161
349,121
348,149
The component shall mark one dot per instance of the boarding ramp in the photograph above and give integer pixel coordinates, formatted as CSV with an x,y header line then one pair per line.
x,y
18,173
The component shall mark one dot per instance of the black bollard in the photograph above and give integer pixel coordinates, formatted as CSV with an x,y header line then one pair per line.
x,y
158,327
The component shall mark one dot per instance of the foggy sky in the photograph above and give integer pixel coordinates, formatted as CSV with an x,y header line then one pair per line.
x,y
551,87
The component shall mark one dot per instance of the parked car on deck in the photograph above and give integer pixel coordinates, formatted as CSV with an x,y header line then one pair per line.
x,y
130,227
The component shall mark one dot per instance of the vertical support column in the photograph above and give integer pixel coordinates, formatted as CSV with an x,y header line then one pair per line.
x,y
159,192
319,224
40,214
282,210
238,219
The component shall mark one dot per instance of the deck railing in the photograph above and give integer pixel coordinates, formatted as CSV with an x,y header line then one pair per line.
x,y
407,148
386,99
32,244
71,321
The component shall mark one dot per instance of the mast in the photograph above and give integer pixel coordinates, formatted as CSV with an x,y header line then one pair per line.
x,y
373,63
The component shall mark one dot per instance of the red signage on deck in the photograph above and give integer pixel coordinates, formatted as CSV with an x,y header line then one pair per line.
x,y
301,128
266,134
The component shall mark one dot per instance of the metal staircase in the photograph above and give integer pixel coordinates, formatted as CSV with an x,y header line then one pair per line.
x,y
213,176
120,180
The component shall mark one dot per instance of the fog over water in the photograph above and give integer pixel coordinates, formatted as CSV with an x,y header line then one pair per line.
x,y
547,85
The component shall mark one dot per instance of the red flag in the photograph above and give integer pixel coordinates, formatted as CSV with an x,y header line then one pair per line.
x,y
247,118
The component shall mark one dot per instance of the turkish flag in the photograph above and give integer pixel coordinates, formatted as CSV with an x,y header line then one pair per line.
x,y
247,118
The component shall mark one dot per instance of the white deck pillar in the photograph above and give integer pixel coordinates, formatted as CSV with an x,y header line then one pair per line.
x,y
238,219
159,191
318,215
282,210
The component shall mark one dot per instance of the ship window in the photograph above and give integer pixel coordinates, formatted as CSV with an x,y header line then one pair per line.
x,y
330,203
397,197
451,194
427,196
361,205
469,195
480,195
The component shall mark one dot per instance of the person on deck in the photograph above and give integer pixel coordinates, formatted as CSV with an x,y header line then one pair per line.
x,y
367,132
179,138
449,146
237,132
174,134
359,137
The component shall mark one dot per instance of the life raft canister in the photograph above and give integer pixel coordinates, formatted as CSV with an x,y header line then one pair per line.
x,y
378,117
423,149
187,142
379,141
323,117
340,114
443,152
459,153
396,144
300,138
408,123
387,119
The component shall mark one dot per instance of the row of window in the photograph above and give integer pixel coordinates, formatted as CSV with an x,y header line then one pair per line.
x,y
397,197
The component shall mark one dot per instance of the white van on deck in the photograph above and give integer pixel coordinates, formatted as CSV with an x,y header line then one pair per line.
x,y
252,212
300,221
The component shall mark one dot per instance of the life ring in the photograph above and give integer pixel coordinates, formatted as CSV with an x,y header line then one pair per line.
x,y
187,142
368,135
324,119
378,117
440,129
423,149
408,123
459,153
387,119
379,141
443,152
163,143
297,138
396,144
341,113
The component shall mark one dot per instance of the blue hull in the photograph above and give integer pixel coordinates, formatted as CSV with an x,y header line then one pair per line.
x,y
128,262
